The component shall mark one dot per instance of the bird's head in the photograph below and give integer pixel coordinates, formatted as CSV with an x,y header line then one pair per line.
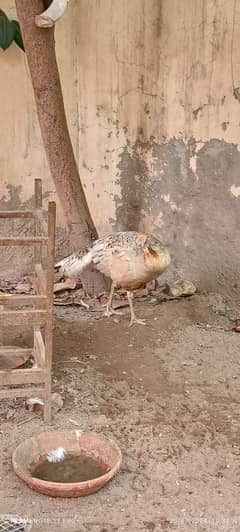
x,y
155,253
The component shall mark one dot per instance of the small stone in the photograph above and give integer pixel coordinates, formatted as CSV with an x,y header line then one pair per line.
x,y
34,404
182,288
217,303
57,401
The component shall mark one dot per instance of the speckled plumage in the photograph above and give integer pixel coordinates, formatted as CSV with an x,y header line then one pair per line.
x,y
130,259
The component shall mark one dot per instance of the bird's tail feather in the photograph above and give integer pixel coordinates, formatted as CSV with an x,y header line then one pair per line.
x,y
74,264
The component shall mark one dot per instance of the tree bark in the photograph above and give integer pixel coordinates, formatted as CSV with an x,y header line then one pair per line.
x,y
40,50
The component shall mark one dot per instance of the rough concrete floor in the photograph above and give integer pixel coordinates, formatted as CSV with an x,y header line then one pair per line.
x,y
169,394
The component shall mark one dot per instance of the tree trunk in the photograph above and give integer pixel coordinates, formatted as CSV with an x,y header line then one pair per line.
x,y
40,50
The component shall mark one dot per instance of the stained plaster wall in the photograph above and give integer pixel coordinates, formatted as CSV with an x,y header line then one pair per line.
x,y
152,97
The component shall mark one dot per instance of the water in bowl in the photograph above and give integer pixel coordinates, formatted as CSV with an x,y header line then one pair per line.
x,y
73,468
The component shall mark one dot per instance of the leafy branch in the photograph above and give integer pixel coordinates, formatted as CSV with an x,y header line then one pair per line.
x,y
9,32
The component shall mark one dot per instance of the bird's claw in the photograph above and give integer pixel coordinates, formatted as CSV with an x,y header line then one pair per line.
x,y
111,312
135,320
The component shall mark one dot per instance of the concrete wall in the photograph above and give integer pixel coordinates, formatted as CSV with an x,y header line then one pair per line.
x,y
153,105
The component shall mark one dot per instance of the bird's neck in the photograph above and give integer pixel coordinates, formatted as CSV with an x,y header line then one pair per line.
x,y
156,262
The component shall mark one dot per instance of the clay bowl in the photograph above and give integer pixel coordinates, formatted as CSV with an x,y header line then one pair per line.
x,y
30,451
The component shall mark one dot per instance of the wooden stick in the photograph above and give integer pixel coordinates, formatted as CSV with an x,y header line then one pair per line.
x,y
49,323
38,193
16,214
39,348
17,241
26,420
38,206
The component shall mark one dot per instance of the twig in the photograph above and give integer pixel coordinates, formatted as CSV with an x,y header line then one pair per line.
x,y
72,303
70,361
26,420
74,422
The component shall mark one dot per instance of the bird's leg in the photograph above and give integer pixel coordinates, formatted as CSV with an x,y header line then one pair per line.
x,y
109,303
110,310
133,316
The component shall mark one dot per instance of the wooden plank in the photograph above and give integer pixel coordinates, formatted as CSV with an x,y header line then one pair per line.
x,y
38,193
27,241
51,251
43,234
16,214
33,391
23,317
40,280
42,222
39,348
22,376
38,205
9,300
16,350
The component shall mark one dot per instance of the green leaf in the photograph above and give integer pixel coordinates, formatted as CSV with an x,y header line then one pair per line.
x,y
7,31
17,36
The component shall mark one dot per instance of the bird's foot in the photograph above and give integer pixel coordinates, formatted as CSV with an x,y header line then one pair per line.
x,y
136,320
110,312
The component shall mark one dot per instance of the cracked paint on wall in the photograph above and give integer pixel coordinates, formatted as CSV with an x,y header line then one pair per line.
x,y
197,219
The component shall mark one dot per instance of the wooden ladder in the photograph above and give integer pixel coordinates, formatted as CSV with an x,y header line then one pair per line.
x,y
15,308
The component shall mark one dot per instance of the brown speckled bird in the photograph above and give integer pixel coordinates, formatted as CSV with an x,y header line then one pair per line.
x,y
129,258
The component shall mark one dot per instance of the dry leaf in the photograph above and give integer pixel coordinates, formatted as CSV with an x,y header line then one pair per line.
x,y
69,284
23,288
237,325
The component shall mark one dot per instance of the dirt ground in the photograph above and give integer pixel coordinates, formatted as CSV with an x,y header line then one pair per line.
x,y
168,393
